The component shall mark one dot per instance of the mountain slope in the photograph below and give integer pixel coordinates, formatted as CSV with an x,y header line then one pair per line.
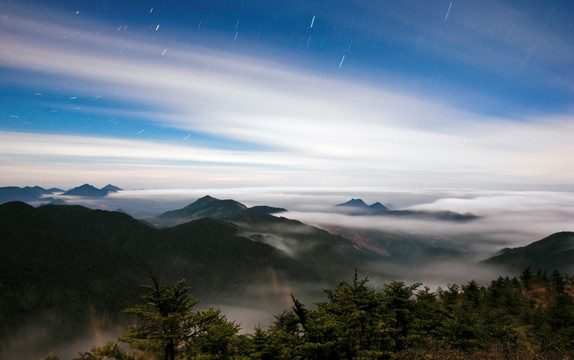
x,y
13,193
86,190
208,207
63,265
555,252
218,259
359,203
329,255
111,188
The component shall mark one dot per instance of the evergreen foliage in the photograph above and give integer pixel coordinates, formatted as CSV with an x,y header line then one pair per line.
x,y
531,317
168,325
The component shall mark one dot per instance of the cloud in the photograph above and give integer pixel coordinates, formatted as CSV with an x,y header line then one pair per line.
x,y
304,127
507,218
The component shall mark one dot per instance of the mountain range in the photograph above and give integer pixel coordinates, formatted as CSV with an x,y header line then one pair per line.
x,y
33,194
26,194
209,207
61,265
91,191
359,207
555,252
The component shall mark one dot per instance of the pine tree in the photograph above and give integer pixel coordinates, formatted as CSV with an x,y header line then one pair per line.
x,y
167,319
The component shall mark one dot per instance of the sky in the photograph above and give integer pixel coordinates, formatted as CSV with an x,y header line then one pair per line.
x,y
325,94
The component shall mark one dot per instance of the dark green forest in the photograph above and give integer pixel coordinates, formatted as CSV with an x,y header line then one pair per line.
x,y
526,317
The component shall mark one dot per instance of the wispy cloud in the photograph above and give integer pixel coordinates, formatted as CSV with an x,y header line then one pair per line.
x,y
309,125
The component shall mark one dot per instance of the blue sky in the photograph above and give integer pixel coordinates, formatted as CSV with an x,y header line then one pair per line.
x,y
167,94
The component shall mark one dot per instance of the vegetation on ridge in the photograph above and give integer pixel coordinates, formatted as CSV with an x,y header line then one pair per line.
x,y
530,317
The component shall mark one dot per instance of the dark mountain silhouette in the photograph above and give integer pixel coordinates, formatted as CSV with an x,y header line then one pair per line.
x,y
355,203
368,209
55,190
26,194
88,191
326,253
378,207
38,189
111,188
14,193
61,264
359,207
555,252
263,209
209,207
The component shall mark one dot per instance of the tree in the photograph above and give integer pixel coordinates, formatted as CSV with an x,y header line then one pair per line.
x,y
214,337
399,304
526,277
108,351
167,319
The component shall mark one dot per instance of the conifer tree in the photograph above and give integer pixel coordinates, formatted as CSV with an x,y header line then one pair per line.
x,y
167,319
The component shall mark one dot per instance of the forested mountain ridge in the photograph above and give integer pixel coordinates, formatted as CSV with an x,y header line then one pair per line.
x,y
209,207
527,318
555,252
61,264
69,262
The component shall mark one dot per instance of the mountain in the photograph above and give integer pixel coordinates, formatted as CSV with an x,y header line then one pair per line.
x,y
38,189
326,253
359,207
63,266
14,193
262,209
209,207
555,252
26,194
88,190
355,203
111,188
378,207
395,247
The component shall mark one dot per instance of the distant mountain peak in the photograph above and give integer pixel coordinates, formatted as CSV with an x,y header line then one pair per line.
x,y
86,186
378,207
86,190
205,200
554,252
354,203
111,187
210,207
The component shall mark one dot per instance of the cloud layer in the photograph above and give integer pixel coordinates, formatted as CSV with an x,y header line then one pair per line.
x,y
290,126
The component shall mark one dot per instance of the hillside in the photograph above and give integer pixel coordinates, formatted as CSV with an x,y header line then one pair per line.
x,y
328,254
555,252
65,267
209,207
62,265
25,194
88,190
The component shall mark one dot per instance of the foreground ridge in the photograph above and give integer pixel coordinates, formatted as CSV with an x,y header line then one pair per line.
x,y
531,317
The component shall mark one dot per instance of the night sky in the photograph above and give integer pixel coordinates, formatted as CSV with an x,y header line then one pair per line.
x,y
176,94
